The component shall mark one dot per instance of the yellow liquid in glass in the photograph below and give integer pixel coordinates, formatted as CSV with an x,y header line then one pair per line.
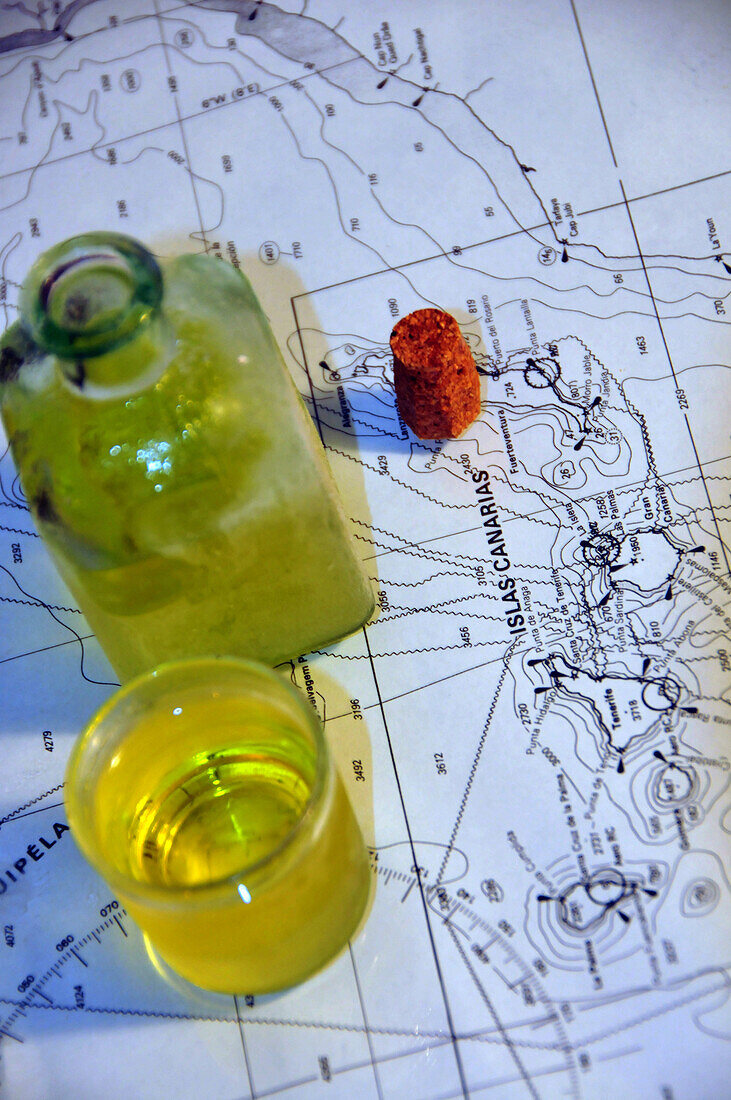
x,y
253,906
216,813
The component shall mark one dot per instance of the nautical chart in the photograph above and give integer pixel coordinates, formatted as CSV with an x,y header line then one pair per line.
x,y
535,725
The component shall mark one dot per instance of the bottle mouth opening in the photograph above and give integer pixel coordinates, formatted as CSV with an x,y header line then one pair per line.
x,y
90,294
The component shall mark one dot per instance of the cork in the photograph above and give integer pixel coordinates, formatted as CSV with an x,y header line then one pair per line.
x,y
436,380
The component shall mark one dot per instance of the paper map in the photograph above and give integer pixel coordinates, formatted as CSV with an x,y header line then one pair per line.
x,y
535,726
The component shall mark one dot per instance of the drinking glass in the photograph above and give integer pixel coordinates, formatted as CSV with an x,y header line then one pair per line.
x,y
204,793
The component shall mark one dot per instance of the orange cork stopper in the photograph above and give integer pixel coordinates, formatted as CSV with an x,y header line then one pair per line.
x,y
436,380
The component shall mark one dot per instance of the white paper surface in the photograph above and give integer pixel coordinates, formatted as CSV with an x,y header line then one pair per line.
x,y
564,788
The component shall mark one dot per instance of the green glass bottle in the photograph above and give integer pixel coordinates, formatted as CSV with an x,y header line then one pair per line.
x,y
169,462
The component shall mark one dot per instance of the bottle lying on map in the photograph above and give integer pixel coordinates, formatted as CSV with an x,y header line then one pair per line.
x,y
169,462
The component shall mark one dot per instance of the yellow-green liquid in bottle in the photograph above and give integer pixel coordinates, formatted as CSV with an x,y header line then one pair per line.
x,y
175,475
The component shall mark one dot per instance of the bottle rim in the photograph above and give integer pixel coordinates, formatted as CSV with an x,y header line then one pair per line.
x,y
90,294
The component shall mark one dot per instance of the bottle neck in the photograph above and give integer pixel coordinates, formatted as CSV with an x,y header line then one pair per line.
x,y
93,302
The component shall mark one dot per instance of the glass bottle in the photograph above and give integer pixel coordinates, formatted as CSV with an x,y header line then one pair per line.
x,y
169,462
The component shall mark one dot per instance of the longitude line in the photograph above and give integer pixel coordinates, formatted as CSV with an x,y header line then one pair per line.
x,y
420,884
675,377
475,763
41,809
652,296
647,280
437,966
496,1019
171,76
243,1047
593,82
44,649
708,497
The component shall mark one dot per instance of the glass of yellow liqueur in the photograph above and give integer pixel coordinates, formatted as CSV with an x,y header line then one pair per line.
x,y
205,794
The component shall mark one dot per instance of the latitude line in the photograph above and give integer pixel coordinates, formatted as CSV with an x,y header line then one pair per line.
x,y
327,68
393,267
46,163
432,1044
613,205
180,119
276,1089
626,487
44,648
519,232
440,976
90,149
437,1044
593,82
675,377
664,191
421,687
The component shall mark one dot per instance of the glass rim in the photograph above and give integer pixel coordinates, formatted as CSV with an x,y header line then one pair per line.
x,y
146,892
